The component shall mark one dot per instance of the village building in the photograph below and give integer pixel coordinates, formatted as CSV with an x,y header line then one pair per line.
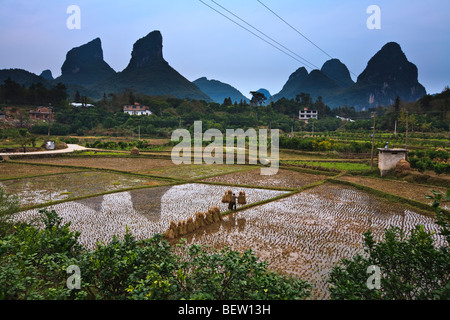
x,y
345,119
41,113
137,109
81,105
307,114
388,158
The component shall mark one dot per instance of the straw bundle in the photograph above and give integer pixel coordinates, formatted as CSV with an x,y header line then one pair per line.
x,y
190,225
227,197
134,151
242,199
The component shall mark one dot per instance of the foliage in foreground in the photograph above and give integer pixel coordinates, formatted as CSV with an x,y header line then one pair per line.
x,y
411,268
34,263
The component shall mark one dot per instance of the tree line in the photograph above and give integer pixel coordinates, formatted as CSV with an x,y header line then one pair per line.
x,y
12,92
429,114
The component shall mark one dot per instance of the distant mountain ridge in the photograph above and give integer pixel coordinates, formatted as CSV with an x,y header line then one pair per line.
x,y
22,77
148,73
219,91
85,66
388,74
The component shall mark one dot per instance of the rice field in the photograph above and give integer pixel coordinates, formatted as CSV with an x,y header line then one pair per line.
x,y
304,234
115,163
334,165
13,170
401,188
283,179
308,233
193,171
145,212
43,189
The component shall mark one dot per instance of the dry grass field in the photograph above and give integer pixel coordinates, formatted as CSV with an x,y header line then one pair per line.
x,y
12,170
114,163
401,188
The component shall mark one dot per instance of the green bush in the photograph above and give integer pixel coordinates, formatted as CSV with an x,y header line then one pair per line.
x,y
33,261
33,264
435,160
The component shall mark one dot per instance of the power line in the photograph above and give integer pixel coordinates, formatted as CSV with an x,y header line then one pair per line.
x,y
329,76
299,32
295,29
240,25
307,62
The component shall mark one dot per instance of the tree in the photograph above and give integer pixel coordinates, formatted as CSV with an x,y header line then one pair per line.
x,y
227,102
77,97
258,98
219,275
33,261
58,94
304,99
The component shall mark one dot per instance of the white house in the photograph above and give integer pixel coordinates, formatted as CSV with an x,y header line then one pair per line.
x,y
137,109
307,114
345,119
79,105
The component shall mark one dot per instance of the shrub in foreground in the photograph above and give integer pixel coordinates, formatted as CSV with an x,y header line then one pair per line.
x,y
34,263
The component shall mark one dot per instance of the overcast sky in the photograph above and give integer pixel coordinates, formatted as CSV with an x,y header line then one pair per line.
x,y
200,42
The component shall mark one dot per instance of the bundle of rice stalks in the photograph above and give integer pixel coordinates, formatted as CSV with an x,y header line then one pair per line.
x,y
227,197
172,232
190,225
402,166
242,198
134,151
199,220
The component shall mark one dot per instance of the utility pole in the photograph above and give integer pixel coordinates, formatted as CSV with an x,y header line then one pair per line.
x,y
407,128
49,120
373,142
395,128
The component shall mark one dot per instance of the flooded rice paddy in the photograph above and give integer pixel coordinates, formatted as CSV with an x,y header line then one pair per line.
x,y
145,212
304,234
308,233
38,190
283,179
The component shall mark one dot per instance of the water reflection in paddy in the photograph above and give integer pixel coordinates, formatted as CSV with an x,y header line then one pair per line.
x,y
144,212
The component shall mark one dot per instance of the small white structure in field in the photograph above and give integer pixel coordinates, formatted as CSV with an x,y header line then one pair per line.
x,y
388,159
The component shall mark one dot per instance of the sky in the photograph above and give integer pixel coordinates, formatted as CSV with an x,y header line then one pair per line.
x,y
199,42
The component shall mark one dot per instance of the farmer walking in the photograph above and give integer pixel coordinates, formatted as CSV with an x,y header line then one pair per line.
x,y
233,200
232,204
